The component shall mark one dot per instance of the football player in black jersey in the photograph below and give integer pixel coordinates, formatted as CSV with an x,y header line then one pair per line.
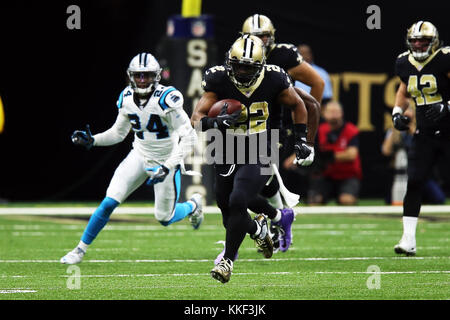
x,y
288,58
424,71
259,87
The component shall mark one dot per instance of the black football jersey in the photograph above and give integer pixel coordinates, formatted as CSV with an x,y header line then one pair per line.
x,y
259,103
427,82
284,55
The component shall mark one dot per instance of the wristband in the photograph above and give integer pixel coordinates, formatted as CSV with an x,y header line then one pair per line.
x,y
396,110
207,123
300,131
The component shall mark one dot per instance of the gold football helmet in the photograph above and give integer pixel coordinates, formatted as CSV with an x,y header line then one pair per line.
x,y
422,40
260,26
245,60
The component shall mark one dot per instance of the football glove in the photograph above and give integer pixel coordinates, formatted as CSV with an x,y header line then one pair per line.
x,y
223,121
157,174
83,138
302,150
304,154
436,111
304,162
400,122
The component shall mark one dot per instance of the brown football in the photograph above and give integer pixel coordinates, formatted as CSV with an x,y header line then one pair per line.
x,y
233,106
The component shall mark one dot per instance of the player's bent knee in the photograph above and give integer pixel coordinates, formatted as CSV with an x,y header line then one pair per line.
x,y
164,223
163,217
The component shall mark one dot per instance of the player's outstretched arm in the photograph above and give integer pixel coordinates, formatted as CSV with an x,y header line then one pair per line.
x,y
400,121
306,74
202,122
289,98
304,152
201,109
179,121
117,133
83,138
313,110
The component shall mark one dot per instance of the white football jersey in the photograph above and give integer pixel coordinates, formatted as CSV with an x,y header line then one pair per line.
x,y
157,125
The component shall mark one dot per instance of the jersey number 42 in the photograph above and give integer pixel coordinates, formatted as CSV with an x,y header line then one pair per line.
x,y
428,94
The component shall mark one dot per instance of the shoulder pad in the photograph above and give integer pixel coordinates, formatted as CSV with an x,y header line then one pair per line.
x,y
403,54
212,77
215,69
286,45
445,50
169,97
273,67
125,93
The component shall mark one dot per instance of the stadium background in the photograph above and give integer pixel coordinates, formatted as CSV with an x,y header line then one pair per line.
x,y
55,80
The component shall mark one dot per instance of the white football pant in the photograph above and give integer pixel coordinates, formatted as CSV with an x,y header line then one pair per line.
x,y
131,174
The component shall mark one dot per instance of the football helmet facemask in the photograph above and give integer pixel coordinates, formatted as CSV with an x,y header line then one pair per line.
x,y
144,73
422,40
260,26
245,61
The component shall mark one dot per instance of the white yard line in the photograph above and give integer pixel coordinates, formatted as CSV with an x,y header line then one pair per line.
x,y
234,274
214,210
240,260
2,291
145,227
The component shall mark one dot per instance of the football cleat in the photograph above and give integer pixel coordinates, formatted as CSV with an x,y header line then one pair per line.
x,y
196,217
285,228
263,239
222,271
407,245
73,257
220,255
274,231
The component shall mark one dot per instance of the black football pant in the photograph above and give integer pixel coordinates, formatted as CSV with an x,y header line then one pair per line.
x,y
271,189
237,186
423,155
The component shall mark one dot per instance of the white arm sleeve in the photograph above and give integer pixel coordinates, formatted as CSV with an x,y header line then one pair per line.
x,y
181,124
117,133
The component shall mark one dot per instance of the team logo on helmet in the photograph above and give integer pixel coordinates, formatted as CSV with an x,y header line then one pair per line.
x,y
422,40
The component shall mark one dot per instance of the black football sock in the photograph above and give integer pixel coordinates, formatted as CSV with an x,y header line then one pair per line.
x,y
261,205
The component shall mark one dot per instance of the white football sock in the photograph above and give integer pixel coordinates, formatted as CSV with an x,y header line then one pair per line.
x,y
83,246
258,229
409,226
276,201
277,217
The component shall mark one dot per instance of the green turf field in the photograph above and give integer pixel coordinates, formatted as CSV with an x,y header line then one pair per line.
x,y
333,257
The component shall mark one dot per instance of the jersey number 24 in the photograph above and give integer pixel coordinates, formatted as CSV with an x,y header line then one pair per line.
x,y
154,125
